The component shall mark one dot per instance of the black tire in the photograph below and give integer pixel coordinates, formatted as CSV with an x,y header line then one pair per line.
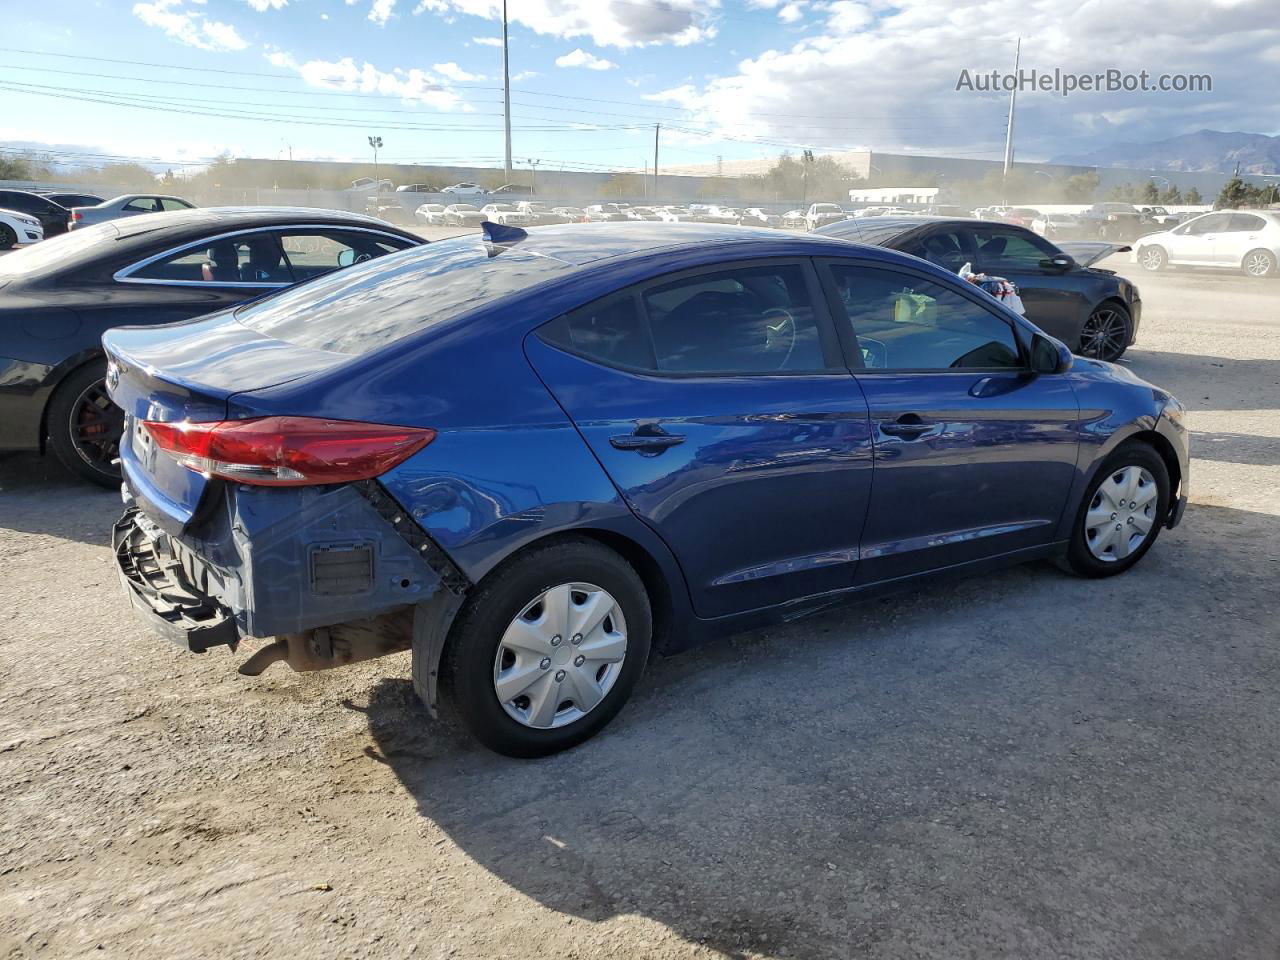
x,y
1105,334
1153,258
1259,264
84,426
1080,559
8,239
468,662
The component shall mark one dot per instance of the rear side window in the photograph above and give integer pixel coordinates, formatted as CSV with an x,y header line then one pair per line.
x,y
313,252
1245,223
375,303
171,203
904,322
748,320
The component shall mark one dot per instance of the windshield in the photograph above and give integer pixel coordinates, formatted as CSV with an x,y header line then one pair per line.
x,y
375,303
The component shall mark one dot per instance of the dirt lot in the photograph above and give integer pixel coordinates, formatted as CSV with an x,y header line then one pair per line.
x,y
1025,765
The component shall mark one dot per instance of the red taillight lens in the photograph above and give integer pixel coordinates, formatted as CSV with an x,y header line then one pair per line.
x,y
288,451
77,215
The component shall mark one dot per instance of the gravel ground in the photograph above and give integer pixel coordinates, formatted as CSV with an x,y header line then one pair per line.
x,y
1023,765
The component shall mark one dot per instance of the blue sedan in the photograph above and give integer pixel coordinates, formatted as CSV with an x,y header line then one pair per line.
x,y
533,457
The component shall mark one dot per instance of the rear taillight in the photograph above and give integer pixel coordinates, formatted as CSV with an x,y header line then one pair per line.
x,y
77,215
288,451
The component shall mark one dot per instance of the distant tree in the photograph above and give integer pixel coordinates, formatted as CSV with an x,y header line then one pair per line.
x,y
1081,187
1171,195
1124,192
1193,197
15,167
1235,193
1149,193
623,185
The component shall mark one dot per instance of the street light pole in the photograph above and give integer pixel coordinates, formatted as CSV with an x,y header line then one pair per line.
x,y
376,142
506,89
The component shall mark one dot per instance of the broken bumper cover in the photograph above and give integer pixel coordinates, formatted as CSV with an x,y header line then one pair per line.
x,y
159,592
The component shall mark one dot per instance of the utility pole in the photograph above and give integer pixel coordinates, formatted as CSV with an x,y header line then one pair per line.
x,y
533,183
1008,134
506,89
656,128
375,142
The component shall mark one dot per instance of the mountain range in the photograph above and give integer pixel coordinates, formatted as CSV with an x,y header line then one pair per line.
x,y
1207,151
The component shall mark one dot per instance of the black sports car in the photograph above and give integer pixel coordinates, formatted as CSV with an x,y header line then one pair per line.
x,y
1094,311
58,297
53,216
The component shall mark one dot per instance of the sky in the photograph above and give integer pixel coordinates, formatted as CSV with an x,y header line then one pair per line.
x,y
180,81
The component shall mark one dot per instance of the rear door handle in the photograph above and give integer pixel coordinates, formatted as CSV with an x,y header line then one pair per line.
x,y
909,426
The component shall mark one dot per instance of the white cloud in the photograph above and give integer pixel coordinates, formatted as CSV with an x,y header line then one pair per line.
x,y
451,71
580,58
791,12
525,75
485,41
411,85
884,73
381,10
263,5
189,26
609,23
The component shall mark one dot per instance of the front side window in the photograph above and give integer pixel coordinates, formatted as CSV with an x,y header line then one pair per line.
x,y
904,322
1210,223
143,205
1011,249
950,248
313,252
747,320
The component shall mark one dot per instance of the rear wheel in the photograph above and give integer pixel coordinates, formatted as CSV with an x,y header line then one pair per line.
x,y
1105,335
85,426
1121,514
1259,263
1153,258
548,648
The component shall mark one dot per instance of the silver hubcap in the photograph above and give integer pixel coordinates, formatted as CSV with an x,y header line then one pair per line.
x,y
560,656
1152,259
1258,265
1121,514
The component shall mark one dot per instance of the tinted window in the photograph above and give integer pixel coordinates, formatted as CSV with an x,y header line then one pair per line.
x,y
22,202
313,252
143,205
169,203
746,320
1010,249
1245,223
950,248
253,258
908,323
373,304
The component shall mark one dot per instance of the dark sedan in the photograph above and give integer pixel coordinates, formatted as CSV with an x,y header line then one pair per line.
x,y
58,297
1093,311
53,217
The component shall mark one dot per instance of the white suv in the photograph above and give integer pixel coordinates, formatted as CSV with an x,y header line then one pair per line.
x,y
820,214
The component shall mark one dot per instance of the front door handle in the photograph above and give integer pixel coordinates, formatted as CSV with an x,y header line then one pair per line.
x,y
648,438
909,426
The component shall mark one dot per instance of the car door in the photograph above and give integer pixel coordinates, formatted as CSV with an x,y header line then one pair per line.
x,y
719,404
1053,298
974,454
1196,239
1243,233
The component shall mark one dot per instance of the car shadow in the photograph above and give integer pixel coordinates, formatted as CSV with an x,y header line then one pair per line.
x,y
983,763
39,496
1209,383
1236,448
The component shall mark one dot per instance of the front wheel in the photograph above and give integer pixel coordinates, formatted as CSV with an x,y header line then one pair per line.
x,y
8,239
1259,263
1105,334
548,648
1121,514
85,426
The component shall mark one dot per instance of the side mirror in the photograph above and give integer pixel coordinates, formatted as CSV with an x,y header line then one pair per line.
x,y
1050,356
346,257
1059,262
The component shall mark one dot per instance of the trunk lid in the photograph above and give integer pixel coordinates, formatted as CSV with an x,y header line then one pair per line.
x,y
189,371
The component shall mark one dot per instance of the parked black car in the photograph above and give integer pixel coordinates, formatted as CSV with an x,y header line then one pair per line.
x,y
58,297
1095,312
53,216
70,200
1113,221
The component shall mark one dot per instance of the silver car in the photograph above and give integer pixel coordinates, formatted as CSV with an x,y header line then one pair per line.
x,y
1245,240
129,205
